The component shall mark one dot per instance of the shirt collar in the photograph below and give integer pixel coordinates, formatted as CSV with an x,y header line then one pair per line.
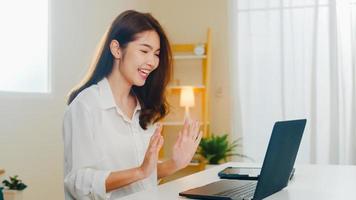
x,y
107,98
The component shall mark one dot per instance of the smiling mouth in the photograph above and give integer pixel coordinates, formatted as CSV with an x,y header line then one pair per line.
x,y
144,72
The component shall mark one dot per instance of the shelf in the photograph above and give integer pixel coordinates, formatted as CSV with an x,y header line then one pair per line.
x,y
179,87
177,123
172,123
189,56
184,48
186,58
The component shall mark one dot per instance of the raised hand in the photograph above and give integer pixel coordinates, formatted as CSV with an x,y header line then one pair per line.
x,y
151,157
186,144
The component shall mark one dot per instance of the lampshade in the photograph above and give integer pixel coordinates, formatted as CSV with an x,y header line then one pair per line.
x,y
187,97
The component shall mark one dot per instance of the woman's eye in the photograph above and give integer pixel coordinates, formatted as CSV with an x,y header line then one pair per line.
x,y
143,51
157,55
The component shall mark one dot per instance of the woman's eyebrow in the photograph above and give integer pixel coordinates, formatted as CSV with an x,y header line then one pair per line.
x,y
149,46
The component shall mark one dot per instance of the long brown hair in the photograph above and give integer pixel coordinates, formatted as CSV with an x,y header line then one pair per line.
x,y
152,94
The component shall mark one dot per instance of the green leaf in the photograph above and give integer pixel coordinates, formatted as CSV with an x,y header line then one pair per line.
x,y
217,148
14,183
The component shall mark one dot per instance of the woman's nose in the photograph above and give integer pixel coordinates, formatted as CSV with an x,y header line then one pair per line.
x,y
151,61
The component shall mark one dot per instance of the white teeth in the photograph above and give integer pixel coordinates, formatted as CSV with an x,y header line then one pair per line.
x,y
145,71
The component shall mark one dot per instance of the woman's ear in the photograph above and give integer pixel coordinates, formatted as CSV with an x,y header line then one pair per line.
x,y
115,49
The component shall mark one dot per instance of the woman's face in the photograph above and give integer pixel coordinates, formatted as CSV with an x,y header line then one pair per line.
x,y
140,58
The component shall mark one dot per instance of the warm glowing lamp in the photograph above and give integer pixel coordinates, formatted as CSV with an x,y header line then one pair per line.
x,y
187,99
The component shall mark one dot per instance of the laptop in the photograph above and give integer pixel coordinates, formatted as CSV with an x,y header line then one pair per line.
x,y
276,169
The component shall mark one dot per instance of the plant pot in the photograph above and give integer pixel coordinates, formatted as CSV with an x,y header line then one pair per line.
x,y
1,194
12,194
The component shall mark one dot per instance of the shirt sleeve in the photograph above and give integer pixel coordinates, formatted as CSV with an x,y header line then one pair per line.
x,y
83,177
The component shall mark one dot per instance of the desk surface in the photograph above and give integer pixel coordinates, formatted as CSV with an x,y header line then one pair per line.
x,y
309,182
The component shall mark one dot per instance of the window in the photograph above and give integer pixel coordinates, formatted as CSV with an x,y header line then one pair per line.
x,y
24,46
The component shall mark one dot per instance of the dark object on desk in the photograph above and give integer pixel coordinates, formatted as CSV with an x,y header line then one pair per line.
x,y
280,157
241,173
244,173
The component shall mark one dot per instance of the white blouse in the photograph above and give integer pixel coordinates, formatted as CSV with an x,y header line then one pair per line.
x,y
99,139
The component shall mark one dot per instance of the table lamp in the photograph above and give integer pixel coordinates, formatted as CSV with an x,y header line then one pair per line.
x,y
187,99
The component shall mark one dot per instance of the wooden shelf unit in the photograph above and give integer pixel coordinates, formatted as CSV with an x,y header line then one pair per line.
x,y
186,52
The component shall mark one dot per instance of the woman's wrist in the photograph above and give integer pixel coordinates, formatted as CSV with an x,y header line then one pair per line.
x,y
122,178
167,168
173,165
141,173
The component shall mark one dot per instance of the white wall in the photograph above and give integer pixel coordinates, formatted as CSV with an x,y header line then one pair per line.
x,y
30,125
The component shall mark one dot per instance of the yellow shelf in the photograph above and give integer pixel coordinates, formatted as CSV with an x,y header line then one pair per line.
x,y
176,123
186,52
202,86
184,48
179,87
188,56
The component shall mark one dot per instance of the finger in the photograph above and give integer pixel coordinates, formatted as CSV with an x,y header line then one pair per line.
x,y
156,134
155,153
179,139
154,143
157,141
191,129
158,129
197,141
160,143
152,139
196,130
186,127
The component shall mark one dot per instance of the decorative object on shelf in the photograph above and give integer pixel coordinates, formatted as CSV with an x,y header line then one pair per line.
x,y
199,49
187,99
13,188
216,148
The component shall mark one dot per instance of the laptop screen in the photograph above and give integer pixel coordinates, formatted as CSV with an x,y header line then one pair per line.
x,y
280,157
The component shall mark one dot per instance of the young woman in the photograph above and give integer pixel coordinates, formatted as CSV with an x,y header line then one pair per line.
x,y
111,136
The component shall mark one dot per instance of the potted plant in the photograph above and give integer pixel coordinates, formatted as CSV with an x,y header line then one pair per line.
x,y
13,188
1,195
215,149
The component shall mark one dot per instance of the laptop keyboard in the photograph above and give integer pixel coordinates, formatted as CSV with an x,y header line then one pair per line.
x,y
241,192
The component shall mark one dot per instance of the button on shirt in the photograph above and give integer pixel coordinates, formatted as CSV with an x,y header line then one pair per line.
x,y
100,139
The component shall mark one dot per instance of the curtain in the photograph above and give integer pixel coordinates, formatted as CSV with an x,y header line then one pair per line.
x,y
295,59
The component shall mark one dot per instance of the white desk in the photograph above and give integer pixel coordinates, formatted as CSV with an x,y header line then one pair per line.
x,y
310,182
